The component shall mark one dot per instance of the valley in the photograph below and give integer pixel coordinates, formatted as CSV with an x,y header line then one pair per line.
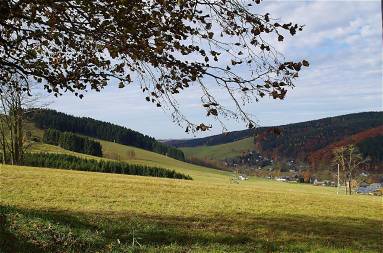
x,y
54,210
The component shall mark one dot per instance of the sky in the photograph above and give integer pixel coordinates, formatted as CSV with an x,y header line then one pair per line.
x,y
342,41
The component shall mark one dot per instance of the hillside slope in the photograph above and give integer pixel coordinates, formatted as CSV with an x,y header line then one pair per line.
x,y
295,141
221,151
360,139
49,210
46,119
133,155
358,121
298,141
214,139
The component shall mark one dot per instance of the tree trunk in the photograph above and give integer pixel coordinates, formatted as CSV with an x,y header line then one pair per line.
x,y
345,183
19,136
3,147
16,115
12,145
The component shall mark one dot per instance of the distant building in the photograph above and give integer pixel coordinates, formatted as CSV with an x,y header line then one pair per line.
x,y
369,189
243,177
363,184
317,182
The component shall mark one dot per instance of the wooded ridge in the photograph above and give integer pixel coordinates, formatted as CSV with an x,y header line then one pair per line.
x,y
46,119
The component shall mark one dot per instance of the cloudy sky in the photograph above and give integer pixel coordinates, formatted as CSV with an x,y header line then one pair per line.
x,y
343,42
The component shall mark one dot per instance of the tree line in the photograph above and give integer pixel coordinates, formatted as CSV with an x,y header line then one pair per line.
x,y
101,130
73,142
62,161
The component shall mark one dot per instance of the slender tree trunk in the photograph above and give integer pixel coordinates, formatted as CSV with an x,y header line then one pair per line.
x,y
345,183
12,132
3,146
12,143
19,128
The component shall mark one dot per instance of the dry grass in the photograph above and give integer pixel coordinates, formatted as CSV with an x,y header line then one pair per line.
x,y
90,211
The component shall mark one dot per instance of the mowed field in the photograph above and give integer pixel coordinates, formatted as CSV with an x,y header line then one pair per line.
x,y
48,210
222,151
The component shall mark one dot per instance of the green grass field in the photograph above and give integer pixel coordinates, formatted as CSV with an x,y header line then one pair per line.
x,y
222,151
48,210
123,153
120,152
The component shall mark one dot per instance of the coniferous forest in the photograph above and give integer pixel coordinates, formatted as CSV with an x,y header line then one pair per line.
x,y
46,119
328,129
73,142
62,161
299,140
372,148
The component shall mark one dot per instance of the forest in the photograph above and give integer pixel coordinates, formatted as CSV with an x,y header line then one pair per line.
x,y
297,141
337,127
372,148
63,161
73,142
46,119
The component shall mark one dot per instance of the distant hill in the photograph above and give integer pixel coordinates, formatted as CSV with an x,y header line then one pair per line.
x,y
113,151
305,141
212,140
297,141
370,118
51,119
370,143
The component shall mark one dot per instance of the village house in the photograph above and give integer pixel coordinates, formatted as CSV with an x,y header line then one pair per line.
x,y
371,189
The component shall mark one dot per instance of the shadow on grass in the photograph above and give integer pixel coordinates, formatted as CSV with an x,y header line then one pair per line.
x,y
9,242
25,230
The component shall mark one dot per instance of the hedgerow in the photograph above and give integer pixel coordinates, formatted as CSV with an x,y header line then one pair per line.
x,y
63,161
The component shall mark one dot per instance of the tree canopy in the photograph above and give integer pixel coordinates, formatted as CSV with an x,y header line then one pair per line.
x,y
162,46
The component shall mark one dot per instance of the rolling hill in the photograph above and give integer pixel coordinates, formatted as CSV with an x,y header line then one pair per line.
x,y
51,119
221,151
132,155
299,141
54,210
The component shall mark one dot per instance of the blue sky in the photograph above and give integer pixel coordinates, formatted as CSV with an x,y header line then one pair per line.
x,y
342,40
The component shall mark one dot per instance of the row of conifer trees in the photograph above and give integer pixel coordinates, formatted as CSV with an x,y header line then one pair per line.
x,y
73,142
62,161
46,119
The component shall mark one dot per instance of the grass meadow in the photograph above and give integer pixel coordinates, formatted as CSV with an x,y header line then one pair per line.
x,y
49,210
222,151
115,151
